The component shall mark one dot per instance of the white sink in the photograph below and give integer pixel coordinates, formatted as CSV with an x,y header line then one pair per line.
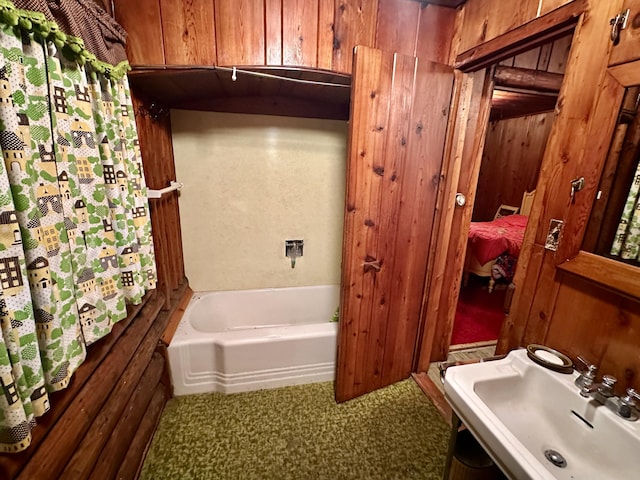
x,y
518,410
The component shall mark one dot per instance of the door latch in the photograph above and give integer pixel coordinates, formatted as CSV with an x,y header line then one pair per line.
x,y
576,185
618,23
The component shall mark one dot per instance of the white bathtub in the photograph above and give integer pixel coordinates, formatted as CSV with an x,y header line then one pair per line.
x,y
237,341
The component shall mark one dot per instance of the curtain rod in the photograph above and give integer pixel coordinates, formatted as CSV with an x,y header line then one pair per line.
x,y
237,70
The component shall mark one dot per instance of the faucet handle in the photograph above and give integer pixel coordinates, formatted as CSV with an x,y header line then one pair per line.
x,y
587,377
631,397
607,386
628,403
588,366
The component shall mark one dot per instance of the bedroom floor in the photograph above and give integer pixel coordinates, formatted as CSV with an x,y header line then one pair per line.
x,y
479,314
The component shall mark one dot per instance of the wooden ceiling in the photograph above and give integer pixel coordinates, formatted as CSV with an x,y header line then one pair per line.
x,y
265,90
525,84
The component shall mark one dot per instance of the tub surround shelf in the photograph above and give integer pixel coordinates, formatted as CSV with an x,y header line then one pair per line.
x,y
295,92
176,317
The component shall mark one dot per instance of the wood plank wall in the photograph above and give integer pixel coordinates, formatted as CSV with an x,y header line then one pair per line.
x,y
307,33
511,162
485,20
154,133
552,307
101,425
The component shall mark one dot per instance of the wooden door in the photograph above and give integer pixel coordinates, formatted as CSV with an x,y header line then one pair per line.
x,y
399,113
628,47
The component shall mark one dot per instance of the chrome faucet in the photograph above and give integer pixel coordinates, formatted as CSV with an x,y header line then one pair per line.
x,y
603,392
604,389
587,377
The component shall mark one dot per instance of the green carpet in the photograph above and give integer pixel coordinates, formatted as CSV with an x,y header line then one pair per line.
x,y
300,433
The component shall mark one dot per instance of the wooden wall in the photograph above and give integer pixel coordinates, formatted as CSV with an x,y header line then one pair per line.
x,y
511,162
156,148
552,307
485,20
306,33
600,325
101,425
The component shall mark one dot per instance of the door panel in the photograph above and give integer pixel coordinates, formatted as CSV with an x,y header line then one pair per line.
x,y
399,115
627,49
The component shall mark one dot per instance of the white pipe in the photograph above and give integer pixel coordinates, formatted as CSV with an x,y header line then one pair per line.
x,y
158,193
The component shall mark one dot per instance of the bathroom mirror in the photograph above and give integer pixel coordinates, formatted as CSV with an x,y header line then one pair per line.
x,y
607,250
613,229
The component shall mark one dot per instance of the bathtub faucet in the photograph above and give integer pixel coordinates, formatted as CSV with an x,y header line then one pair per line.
x,y
293,250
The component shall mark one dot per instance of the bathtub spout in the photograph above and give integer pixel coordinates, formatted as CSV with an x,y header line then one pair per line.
x,y
293,250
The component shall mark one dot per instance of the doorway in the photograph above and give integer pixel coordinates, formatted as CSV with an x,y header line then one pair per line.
x,y
524,96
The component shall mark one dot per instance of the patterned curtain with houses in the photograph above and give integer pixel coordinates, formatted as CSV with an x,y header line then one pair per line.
x,y
626,243
75,235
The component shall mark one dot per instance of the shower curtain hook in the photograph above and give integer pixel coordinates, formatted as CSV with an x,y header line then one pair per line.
x,y
234,77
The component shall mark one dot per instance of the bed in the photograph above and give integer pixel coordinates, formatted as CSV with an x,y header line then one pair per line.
x,y
493,247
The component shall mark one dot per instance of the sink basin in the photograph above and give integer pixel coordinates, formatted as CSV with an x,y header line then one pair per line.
x,y
535,425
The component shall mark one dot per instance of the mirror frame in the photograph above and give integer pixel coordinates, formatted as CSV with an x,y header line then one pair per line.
x,y
610,274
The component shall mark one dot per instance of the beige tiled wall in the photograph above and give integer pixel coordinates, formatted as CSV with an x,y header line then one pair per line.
x,y
251,182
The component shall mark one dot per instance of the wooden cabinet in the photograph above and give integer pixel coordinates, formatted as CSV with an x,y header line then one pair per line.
x,y
143,24
188,32
240,28
292,33
628,48
485,20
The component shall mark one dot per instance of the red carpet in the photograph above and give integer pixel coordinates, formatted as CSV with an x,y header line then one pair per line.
x,y
480,314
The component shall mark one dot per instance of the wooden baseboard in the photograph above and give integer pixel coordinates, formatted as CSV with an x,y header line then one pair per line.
x,y
468,346
434,394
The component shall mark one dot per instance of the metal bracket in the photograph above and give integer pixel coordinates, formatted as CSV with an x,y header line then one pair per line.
x,y
618,23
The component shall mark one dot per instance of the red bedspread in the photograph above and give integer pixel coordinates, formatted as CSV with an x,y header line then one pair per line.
x,y
488,240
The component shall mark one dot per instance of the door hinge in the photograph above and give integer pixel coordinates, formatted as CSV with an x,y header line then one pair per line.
x,y
618,23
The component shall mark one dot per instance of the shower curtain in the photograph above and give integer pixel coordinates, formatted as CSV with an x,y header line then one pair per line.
x,y
626,243
75,234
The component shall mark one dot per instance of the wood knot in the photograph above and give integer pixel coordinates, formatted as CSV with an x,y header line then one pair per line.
x,y
369,223
419,128
379,128
403,141
394,177
378,170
